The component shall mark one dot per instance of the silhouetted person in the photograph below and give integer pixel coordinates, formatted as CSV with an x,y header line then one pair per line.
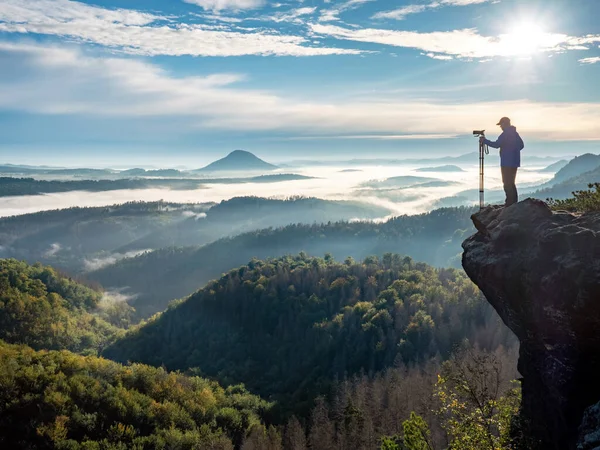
x,y
510,145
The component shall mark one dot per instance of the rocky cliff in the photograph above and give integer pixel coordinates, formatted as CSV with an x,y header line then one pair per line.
x,y
541,271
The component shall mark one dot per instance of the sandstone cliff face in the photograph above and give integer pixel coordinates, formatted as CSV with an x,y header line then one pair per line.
x,y
541,272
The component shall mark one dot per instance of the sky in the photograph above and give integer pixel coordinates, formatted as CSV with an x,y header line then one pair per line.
x,y
182,82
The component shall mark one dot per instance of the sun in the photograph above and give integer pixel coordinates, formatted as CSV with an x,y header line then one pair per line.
x,y
525,39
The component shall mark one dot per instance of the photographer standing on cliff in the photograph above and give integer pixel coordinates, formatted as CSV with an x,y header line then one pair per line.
x,y
510,145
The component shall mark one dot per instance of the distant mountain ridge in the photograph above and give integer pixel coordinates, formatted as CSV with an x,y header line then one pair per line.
x,y
577,166
238,160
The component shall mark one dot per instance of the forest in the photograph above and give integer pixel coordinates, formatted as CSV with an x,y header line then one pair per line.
x,y
386,326
160,276
82,239
289,327
44,310
61,400
10,186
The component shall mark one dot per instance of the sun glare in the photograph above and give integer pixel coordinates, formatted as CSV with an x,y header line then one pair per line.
x,y
525,39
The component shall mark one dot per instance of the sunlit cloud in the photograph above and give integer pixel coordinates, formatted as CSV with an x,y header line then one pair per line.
x,y
523,39
593,60
139,33
58,81
235,5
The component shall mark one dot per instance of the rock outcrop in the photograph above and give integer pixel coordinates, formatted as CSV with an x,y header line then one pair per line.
x,y
541,271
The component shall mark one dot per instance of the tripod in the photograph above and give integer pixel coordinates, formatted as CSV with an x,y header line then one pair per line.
x,y
483,150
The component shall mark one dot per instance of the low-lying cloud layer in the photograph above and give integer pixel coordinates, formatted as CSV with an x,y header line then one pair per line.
x,y
329,183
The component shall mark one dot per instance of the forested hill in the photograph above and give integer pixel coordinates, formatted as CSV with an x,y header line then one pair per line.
x,y
289,327
60,400
156,278
82,239
45,310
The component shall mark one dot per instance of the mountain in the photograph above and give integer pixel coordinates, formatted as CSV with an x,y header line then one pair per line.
x,y
288,327
447,168
553,168
155,278
575,167
236,161
45,310
566,188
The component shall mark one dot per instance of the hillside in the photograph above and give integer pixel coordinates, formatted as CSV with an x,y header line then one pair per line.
x,y
400,181
577,166
45,310
555,167
59,400
158,277
288,327
566,188
10,186
238,160
447,168
83,239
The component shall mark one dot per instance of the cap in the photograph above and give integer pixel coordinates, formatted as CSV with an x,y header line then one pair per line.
x,y
504,121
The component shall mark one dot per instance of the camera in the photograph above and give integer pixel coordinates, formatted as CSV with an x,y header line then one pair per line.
x,y
479,133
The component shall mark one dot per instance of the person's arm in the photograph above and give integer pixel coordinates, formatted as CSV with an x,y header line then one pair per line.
x,y
520,142
496,144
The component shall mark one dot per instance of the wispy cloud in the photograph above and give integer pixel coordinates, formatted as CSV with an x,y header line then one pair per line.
x,y
235,5
140,33
64,81
401,13
294,15
465,43
332,14
593,60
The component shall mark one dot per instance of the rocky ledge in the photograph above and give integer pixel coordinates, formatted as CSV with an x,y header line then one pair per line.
x,y
541,271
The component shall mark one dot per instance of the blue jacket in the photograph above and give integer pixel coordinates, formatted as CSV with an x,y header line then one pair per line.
x,y
510,145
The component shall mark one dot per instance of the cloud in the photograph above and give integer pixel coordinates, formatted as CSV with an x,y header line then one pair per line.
x,y
193,214
465,43
234,5
290,16
140,33
401,13
331,14
593,60
47,80
100,262
53,250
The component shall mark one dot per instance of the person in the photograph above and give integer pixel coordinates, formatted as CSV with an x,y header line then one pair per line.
x,y
510,145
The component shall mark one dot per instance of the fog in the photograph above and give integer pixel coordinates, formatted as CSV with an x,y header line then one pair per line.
x,y
97,263
331,183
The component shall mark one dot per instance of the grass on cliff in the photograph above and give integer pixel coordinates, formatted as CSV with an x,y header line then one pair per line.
x,y
582,201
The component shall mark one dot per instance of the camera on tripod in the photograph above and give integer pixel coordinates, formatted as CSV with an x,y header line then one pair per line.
x,y
479,133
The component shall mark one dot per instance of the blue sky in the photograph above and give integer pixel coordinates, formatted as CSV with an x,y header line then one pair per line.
x,y
173,82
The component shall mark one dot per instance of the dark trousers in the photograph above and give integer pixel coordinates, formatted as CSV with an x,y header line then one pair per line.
x,y
509,174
